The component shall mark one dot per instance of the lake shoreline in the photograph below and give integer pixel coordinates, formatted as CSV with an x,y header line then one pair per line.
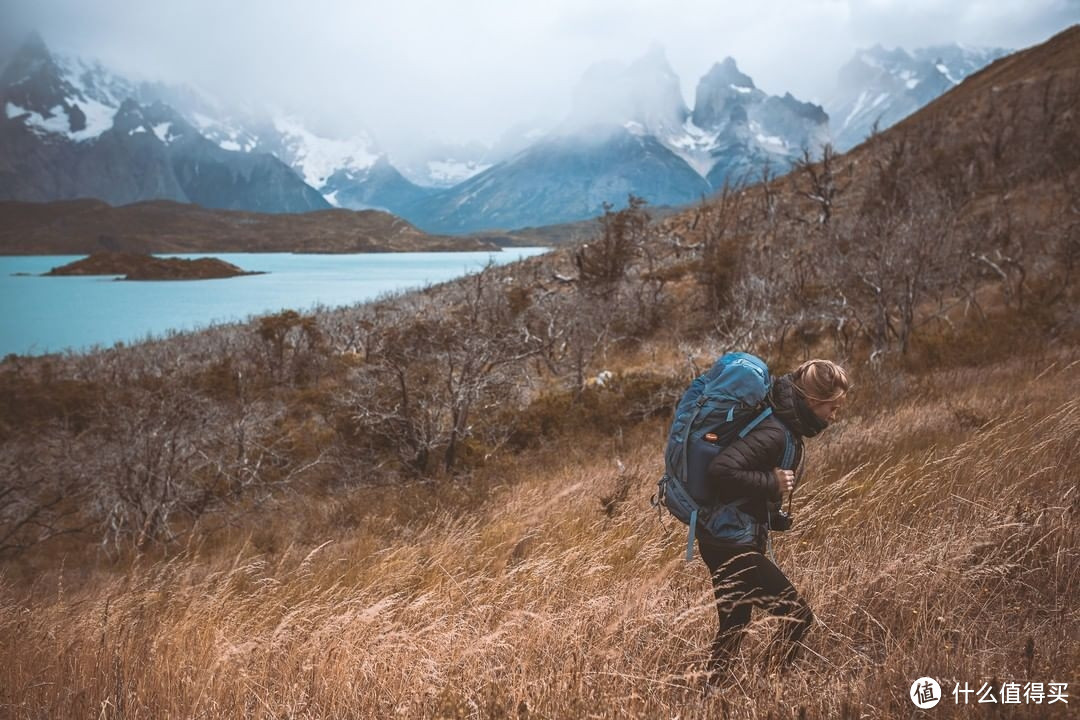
x,y
57,314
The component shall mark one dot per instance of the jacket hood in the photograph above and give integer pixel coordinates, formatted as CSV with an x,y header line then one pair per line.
x,y
791,408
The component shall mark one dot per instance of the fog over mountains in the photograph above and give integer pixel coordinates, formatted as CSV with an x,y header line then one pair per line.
x,y
71,128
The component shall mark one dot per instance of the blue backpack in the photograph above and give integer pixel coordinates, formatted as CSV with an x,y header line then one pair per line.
x,y
720,406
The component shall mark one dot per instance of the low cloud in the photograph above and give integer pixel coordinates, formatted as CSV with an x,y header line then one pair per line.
x,y
471,70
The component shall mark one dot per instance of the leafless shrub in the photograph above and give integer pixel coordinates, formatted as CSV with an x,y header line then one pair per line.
x,y
430,367
821,181
604,261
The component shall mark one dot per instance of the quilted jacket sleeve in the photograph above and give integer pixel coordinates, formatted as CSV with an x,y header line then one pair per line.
x,y
744,468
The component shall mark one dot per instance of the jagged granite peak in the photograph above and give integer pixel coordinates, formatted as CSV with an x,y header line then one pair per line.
x,y
807,110
736,128
645,93
798,124
722,96
726,72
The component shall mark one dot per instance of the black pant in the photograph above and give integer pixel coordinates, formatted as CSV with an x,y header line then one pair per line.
x,y
743,579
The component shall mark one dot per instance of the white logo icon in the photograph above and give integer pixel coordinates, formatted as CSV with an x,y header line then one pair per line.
x,y
925,693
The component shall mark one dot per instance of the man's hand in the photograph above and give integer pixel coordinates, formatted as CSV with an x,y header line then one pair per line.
x,y
785,479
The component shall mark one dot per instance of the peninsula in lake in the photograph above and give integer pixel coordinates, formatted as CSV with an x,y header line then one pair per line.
x,y
76,227
139,266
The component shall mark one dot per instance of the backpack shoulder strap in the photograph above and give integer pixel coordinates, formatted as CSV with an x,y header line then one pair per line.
x,y
789,449
755,422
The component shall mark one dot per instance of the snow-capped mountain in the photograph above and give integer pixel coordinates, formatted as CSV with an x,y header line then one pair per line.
x,y
885,86
560,179
734,127
377,187
51,99
436,164
71,129
630,131
58,97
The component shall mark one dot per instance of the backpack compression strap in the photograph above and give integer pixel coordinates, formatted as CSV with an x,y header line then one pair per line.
x,y
685,464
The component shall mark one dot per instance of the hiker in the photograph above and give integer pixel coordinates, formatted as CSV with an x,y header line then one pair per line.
x,y
747,473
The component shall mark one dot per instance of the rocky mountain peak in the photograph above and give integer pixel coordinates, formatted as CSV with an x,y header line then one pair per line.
x,y
723,95
726,72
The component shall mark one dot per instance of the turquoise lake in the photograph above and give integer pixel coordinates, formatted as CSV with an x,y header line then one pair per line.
x,y
53,314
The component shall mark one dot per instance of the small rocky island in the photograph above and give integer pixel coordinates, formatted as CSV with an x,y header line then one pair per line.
x,y
137,266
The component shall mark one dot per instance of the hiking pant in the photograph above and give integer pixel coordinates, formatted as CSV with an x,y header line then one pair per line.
x,y
743,579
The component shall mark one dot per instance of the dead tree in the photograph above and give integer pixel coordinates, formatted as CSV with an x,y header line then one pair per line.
x,y
821,182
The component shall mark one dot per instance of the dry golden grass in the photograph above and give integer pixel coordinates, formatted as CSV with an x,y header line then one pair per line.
x,y
935,535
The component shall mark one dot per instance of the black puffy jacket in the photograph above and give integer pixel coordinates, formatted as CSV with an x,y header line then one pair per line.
x,y
742,472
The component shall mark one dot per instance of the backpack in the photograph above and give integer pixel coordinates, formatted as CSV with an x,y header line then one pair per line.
x,y
720,406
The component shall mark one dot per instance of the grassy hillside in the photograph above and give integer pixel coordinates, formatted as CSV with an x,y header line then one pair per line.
x,y
430,506
936,534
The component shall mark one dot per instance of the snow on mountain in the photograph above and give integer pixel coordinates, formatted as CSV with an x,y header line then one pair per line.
x,y
50,99
95,82
630,131
69,96
227,133
74,129
884,86
733,126
438,164
96,119
694,145
451,172
629,120
316,158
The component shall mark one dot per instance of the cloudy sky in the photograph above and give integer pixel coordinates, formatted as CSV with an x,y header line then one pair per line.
x,y
470,69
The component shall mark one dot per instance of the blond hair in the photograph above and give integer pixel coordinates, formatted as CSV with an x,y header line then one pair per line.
x,y
821,380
